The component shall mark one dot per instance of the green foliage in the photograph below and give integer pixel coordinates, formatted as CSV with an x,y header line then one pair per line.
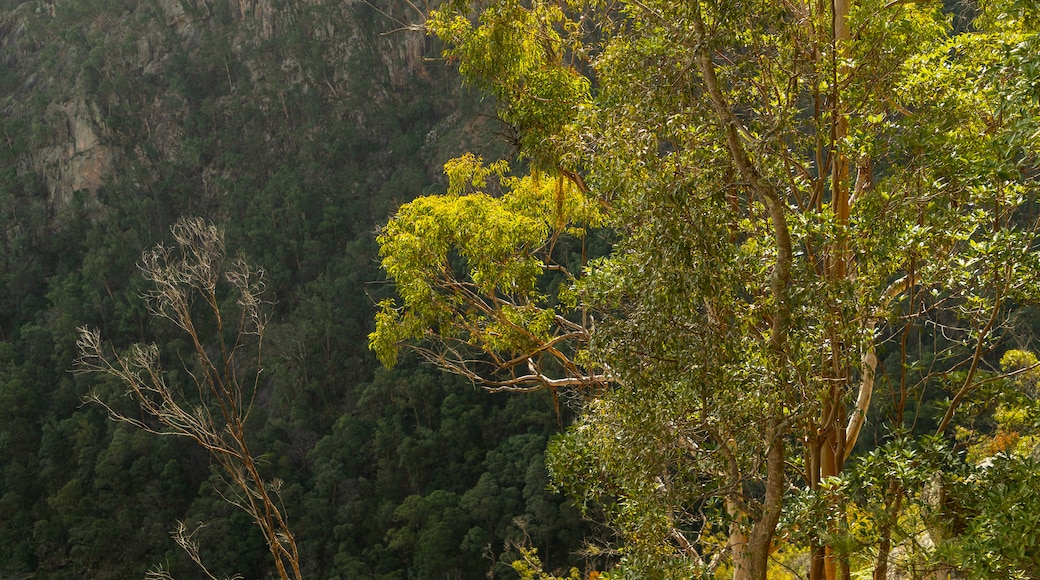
x,y
525,57
793,200
1000,504
279,126
530,568
409,489
468,266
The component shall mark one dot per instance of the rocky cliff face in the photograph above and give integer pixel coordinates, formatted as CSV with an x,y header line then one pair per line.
x,y
76,159
95,88
297,126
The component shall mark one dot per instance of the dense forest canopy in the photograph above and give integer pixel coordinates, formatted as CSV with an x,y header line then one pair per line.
x,y
755,282
808,346
294,128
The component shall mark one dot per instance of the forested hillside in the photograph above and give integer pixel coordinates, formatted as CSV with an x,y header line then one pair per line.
x,y
754,284
296,127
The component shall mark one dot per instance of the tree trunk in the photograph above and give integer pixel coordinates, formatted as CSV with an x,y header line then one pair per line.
x,y
738,546
761,538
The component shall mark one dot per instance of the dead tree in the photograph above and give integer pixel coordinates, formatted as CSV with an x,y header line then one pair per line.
x,y
193,284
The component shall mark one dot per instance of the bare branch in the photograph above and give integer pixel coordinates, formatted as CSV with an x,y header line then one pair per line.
x,y
198,268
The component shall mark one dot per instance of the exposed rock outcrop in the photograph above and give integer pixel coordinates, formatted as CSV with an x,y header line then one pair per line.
x,y
125,87
78,160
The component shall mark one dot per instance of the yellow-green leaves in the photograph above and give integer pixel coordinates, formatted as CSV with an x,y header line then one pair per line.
x,y
468,174
798,191
525,56
491,248
467,266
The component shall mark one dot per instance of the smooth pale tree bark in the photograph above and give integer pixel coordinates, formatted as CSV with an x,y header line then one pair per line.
x,y
832,442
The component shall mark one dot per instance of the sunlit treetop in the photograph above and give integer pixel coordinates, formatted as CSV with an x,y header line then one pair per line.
x,y
470,267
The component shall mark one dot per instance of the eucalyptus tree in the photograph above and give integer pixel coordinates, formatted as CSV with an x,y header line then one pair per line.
x,y
218,304
795,188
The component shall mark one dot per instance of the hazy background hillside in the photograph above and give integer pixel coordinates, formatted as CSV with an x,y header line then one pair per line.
x,y
298,126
